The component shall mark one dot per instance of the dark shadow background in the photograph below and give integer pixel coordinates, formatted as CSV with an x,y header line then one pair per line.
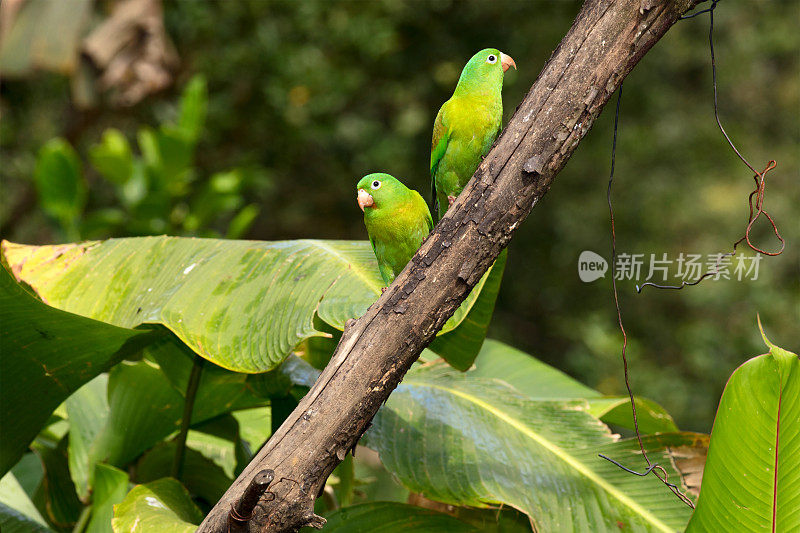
x,y
309,97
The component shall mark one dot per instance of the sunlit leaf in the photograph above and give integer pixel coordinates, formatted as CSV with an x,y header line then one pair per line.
x,y
162,506
616,410
240,304
18,514
477,441
751,480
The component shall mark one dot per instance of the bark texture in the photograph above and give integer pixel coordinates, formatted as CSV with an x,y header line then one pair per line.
x,y
605,42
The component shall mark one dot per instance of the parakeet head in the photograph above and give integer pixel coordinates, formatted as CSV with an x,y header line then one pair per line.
x,y
376,191
485,68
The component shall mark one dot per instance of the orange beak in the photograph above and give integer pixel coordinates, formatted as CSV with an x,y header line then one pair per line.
x,y
507,61
365,199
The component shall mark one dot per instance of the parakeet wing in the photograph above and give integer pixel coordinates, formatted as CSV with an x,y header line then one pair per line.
x,y
441,136
428,218
383,267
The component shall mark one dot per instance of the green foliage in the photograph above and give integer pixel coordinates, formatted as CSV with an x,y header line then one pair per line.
x,y
475,441
87,412
267,143
163,505
165,280
305,98
35,338
55,496
152,192
392,517
112,157
540,381
110,488
441,434
17,512
60,183
204,477
752,477
461,346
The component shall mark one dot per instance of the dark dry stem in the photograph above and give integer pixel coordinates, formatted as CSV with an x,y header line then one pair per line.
x,y
242,511
188,406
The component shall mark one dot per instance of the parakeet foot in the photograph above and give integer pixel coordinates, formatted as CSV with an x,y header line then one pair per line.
x,y
383,289
450,200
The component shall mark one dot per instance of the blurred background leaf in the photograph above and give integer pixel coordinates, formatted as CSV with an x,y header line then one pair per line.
x,y
60,183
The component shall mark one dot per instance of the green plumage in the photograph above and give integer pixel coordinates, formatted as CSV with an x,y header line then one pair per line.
x,y
397,222
466,126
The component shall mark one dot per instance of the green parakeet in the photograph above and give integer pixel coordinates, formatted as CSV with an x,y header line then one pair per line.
x,y
467,125
397,220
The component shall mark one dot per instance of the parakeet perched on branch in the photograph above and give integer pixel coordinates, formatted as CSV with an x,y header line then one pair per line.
x,y
467,125
397,220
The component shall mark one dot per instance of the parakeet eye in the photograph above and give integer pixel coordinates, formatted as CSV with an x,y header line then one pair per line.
x,y
492,59
376,185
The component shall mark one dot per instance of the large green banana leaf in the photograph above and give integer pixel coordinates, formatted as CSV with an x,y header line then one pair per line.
x,y
478,441
752,476
539,380
47,354
241,304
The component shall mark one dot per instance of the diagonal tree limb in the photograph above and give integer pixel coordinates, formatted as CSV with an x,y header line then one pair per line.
x,y
607,39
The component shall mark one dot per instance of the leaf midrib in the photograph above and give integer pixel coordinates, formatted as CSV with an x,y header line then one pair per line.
x,y
558,452
777,444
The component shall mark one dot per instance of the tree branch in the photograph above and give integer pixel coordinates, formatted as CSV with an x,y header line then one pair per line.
x,y
605,42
